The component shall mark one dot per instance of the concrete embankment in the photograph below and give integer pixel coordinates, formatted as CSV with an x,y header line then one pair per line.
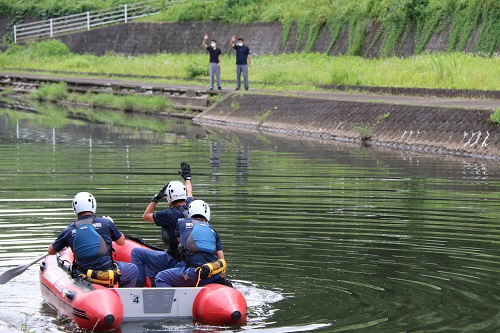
x,y
453,126
417,124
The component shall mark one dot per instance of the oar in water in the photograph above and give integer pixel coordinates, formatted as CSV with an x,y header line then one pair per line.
x,y
13,272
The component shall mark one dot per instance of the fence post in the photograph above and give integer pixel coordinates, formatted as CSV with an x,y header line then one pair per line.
x,y
51,28
125,7
15,36
88,20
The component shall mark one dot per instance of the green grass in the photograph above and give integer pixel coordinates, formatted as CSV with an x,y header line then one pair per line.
x,y
7,91
50,92
136,103
495,116
277,72
261,118
235,105
365,132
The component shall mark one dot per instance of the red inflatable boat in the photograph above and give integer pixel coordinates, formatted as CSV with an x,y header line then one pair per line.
x,y
96,307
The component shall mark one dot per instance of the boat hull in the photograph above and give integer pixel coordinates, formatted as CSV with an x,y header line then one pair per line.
x,y
90,306
95,307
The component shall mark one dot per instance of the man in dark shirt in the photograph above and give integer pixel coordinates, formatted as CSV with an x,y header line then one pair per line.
x,y
243,61
149,262
215,59
84,206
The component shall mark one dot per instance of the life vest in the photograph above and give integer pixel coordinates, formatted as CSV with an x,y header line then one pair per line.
x,y
87,243
197,236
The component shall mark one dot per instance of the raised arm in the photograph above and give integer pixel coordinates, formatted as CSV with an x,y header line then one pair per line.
x,y
185,173
148,213
204,44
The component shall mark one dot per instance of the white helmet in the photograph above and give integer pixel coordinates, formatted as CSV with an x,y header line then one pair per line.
x,y
175,191
199,207
84,202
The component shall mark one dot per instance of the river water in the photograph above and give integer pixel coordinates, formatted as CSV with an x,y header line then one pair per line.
x,y
319,236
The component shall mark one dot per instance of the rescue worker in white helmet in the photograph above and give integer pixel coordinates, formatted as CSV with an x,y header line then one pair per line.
x,y
93,251
178,196
201,248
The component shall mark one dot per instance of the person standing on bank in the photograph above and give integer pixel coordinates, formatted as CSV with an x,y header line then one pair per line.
x,y
179,196
93,251
215,60
243,61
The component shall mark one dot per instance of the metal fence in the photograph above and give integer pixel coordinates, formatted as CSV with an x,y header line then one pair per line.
x,y
85,21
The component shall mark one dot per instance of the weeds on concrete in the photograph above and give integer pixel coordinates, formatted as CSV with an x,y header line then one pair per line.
x,y
495,116
213,99
382,118
365,132
59,92
235,105
264,116
51,92
7,91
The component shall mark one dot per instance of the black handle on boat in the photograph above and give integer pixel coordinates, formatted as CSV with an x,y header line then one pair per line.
x,y
13,272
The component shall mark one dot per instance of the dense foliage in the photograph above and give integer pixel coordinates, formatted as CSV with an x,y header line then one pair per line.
x,y
54,8
397,18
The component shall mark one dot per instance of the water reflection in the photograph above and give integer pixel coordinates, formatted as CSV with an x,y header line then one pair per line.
x,y
319,235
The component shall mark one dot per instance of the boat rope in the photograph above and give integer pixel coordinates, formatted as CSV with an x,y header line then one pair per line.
x,y
209,269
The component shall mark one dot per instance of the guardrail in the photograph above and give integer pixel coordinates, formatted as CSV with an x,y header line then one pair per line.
x,y
85,21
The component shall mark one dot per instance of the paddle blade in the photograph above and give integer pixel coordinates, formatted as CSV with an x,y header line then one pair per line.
x,y
13,272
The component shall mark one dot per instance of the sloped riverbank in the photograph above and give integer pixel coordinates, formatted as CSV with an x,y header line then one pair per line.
x,y
417,124
437,125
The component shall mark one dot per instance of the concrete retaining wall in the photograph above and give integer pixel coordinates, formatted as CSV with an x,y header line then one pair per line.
x,y
180,37
263,38
420,128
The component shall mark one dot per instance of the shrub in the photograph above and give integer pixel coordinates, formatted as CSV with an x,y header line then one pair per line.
x,y
196,70
495,116
50,92
46,49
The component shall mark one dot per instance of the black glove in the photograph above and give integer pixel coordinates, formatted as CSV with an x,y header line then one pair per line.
x,y
185,171
161,193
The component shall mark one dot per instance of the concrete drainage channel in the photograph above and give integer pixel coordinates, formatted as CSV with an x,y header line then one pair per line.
x,y
183,99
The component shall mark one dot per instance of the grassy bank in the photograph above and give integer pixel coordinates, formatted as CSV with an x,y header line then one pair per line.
x,y
59,92
285,71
